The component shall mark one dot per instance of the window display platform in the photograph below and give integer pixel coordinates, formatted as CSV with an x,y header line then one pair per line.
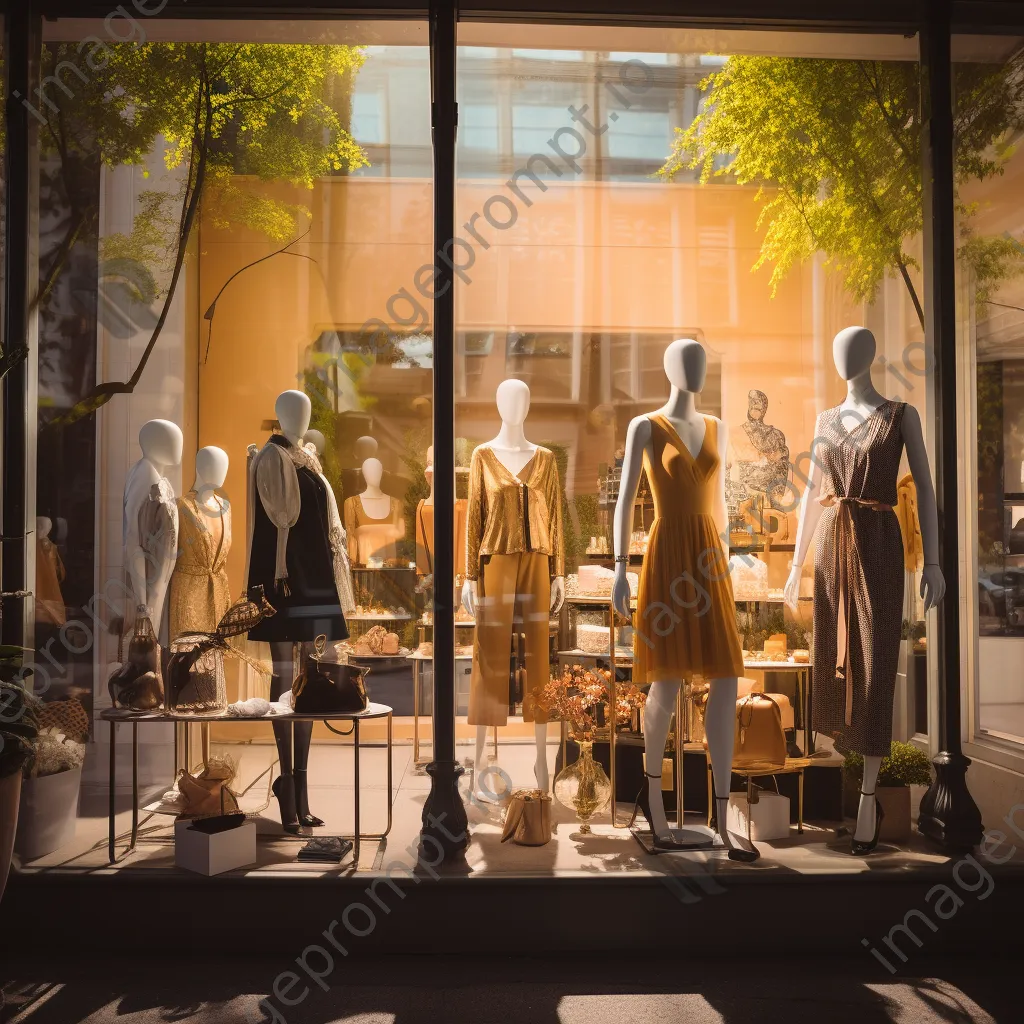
x,y
598,891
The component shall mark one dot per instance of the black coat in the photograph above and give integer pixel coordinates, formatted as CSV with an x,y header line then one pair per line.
x,y
311,608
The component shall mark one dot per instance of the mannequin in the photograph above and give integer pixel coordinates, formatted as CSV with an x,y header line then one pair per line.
x,y
294,557
200,592
511,449
50,608
373,519
316,439
696,533
425,527
150,523
870,542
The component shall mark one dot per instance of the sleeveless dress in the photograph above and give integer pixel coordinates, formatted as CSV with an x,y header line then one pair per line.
x,y
685,620
858,579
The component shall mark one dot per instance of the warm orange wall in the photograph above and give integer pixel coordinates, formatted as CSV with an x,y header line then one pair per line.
x,y
588,256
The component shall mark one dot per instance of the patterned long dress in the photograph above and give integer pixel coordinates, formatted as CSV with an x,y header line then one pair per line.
x,y
858,579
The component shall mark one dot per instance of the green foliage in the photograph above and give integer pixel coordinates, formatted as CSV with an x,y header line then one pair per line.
x,y
417,440
322,418
275,112
18,726
835,148
756,628
905,765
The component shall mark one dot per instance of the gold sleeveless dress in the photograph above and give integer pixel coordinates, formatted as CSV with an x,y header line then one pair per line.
x,y
199,591
685,620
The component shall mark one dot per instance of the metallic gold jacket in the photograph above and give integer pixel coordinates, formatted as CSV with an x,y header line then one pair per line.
x,y
508,514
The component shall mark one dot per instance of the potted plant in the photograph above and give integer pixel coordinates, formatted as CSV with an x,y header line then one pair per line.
x,y
905,766
52,779
17,735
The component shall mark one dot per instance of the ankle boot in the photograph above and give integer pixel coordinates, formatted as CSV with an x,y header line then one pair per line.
x,y
302,801
284,790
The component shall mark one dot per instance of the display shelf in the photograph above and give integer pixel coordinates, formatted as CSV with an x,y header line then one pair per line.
x,y
378,618
594,601
384,568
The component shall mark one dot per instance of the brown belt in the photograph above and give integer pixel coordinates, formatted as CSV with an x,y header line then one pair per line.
x,y
844,554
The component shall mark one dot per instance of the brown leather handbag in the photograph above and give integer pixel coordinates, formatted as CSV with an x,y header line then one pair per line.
x,y
760,740
328,687
138,684
528,818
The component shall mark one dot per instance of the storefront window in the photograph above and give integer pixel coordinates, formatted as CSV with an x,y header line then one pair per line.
x,y
989,79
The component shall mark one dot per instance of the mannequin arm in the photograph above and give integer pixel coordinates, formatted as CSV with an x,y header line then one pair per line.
x,y
810,514
933,585
469,597
637,436
721,510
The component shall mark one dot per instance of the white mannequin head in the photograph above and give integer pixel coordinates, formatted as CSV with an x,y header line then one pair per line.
x,y
513,401
366,447
162,443
293,410
686,365
211,468
43,527
373,472
853,350
316,439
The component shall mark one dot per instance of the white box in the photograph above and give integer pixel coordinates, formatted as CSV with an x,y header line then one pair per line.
x,y
770,818
214,854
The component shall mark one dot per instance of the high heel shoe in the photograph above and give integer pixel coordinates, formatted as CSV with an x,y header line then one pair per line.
x,y
643,803
859,847
284,790
744,850
302,801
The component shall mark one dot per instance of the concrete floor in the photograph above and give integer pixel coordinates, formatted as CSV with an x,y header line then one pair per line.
x,y
614,986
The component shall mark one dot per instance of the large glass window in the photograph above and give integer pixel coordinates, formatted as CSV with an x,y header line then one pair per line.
x,y
989,89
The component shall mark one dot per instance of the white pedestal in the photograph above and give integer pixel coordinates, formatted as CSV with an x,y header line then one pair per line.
x,y
214,854
770,819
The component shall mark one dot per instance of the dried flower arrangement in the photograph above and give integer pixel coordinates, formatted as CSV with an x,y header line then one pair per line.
x,y
579,695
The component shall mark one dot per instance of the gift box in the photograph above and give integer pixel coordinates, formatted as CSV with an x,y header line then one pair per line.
x,y
213,854
769,816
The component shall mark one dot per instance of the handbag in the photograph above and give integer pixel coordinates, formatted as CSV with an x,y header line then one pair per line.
x,y
207,794
528,818
138,684
760,740
328,686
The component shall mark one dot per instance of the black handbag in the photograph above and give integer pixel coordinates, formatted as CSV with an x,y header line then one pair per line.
x,y
138,684
328,687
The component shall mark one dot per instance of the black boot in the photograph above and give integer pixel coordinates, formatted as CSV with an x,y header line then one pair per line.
x,y
284,790
302,801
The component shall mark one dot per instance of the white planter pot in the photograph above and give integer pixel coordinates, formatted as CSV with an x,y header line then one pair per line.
x,y
10,795
49,810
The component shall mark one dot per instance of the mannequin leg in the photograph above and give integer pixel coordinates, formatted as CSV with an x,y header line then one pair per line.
x,y
483,792
720,728
540,769
658,711
284,785
866,809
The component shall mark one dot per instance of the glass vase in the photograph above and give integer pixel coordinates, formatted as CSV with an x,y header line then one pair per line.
x,y
583,787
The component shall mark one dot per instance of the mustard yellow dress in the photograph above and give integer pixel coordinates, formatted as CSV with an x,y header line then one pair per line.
x,y
685,622
199,590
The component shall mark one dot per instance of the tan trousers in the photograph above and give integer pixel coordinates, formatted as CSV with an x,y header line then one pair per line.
x,y
513,594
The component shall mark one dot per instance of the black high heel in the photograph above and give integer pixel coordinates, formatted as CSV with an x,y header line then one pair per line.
x,y
745,852
859,847
643,803
284,790
302,801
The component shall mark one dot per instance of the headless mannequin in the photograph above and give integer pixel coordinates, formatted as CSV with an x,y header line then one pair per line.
x,y
686,368
514,452
853,351
376,504
161,442
293,410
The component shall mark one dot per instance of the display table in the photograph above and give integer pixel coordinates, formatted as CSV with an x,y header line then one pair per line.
x,y
137,718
